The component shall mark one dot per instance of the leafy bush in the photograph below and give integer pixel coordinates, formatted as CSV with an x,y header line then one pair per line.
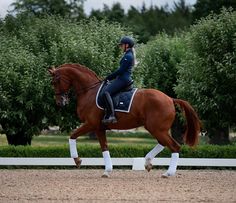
x,y
22,90
159,59
91,43
206,151
207,73
26,99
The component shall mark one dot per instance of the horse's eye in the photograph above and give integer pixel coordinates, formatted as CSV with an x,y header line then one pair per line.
x,y
53,82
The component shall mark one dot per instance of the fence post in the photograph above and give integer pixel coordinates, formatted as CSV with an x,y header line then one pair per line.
x,y
138,164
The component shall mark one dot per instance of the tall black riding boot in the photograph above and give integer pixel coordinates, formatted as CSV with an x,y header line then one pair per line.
x,y
110,112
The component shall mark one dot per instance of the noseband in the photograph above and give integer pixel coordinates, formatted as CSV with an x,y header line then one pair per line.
x,y
57,78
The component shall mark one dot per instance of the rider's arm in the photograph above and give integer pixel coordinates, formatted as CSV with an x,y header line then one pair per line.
x,y
126,62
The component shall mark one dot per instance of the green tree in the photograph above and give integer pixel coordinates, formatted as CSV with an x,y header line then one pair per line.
x,y
22,90
26,98
134,21
159,59
115,14
207,74
203,8
180,17
148,22
12,24
73,8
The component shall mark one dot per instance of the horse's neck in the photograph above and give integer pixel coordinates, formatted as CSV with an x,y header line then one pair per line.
x,y
86,85
82,78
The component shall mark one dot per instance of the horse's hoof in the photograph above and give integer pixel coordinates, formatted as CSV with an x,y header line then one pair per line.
x,y
78,162
105,175
167,175
148,167
164,175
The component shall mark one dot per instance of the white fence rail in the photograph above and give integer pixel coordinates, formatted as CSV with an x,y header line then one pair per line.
x,y
136,163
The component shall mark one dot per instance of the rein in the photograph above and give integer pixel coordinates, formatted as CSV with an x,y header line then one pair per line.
x,y
85,89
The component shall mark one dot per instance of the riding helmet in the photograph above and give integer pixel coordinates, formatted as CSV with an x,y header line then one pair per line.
x,y
127,40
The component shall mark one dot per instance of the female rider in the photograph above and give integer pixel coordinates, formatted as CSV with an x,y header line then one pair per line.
x,y
120,78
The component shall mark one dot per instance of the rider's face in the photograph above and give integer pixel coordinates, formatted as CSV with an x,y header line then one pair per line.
x,y
123,47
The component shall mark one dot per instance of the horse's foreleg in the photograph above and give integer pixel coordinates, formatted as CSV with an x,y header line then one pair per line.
x,y
101,135
151,155
85,128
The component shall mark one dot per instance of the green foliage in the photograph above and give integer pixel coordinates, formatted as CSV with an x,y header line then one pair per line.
x,y
159,59
115,14
206,151
147,22
207,74
203,8
209,151
91,43
22,90
54,7
143,22
27,103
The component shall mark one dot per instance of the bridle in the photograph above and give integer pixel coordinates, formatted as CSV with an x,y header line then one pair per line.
x,y
64,94
57,79
85,89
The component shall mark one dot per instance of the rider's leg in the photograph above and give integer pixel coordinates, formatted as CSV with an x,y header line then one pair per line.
x,y
110,116
109,91
106,107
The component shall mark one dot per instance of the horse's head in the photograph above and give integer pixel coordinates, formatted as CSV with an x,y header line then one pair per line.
x,y
61,86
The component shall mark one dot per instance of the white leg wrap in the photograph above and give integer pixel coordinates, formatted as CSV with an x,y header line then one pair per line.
x,y
156,150
73,148
173,165
107,161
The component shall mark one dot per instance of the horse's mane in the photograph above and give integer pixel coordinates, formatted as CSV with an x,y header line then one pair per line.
x,y
80,67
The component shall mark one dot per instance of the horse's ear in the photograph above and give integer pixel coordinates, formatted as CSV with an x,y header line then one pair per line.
x,y
52,70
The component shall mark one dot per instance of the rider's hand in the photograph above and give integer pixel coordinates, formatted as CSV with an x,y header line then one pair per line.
x,y
106,80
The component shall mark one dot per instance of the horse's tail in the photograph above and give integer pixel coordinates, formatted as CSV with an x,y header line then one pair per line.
x,y
193,123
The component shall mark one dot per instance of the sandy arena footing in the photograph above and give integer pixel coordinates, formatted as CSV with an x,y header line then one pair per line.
x,y
26,185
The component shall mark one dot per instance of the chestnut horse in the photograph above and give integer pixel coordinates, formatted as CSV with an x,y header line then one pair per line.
x,y
150,108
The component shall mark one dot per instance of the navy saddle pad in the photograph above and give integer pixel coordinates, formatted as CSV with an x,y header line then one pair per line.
x,y
122,101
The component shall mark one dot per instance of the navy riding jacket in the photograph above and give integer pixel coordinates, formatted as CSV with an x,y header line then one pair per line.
x,y
124,71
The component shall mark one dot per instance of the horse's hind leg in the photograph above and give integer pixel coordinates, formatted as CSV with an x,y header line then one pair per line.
x,y
101,135
168,141
165,139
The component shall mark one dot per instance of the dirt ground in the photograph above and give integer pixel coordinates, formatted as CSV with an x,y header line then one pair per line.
x,y
43,185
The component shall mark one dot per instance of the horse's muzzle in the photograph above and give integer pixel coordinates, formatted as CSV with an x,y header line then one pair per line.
x,y
62,100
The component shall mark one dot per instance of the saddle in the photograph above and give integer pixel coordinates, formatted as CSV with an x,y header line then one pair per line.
x,y
122,100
